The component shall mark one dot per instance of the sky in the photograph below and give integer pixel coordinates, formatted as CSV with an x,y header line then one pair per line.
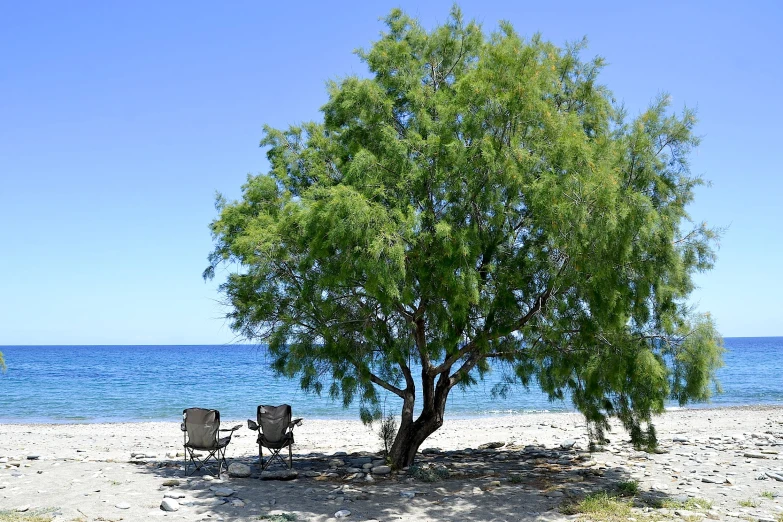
x,y
119,121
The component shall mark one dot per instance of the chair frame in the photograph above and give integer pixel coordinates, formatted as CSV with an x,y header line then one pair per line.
x,y
216,453
274,452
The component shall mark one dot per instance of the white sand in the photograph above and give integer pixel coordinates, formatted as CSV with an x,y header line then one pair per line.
x,y
83,470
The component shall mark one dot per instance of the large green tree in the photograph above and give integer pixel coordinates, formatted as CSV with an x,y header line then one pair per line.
x,y
478,202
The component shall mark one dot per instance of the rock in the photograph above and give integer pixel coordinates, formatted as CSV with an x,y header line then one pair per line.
x,y
237,503
22,509
286,474
381,470
222,492
239,470
567,444
312,473
754,455
775,476
336,463
169,504
684,513
171,482
492,445
174,495
430,451
33,457
342,513
408,494
680,439
368,478
123,505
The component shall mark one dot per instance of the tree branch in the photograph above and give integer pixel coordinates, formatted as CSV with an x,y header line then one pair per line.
x,y
387,386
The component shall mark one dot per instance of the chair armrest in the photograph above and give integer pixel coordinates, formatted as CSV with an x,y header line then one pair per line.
x,y
252,425
235,428
295,422
182,427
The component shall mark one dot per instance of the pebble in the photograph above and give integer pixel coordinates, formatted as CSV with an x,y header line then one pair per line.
x,y
33,457
169,504
342,513
122,505
237,503
381,470
408,494
22,509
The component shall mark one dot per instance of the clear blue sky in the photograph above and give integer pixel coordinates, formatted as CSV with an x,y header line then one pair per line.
x,y
120,120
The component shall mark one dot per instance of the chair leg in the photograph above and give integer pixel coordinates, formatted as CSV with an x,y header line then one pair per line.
x,y
290,458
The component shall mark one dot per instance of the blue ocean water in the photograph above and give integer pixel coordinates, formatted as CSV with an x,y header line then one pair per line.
x,y
138,383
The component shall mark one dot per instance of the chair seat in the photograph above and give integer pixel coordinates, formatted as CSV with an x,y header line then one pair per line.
x,y
222,443
287,440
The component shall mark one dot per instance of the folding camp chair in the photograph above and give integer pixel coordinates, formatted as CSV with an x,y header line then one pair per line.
x,y
201,432
275,432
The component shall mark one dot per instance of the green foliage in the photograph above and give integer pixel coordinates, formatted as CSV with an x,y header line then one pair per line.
x,y
40,515
628,488
600,506
515,478
387,431
692,504
768,494
478,198
281,517
428,473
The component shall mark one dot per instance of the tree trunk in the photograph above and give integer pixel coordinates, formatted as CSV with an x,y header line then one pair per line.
x,y
412,434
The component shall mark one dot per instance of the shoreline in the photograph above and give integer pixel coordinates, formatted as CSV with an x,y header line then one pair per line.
x,y
456,417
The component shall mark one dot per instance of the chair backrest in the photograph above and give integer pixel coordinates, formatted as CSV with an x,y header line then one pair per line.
x,y
202,427
274,421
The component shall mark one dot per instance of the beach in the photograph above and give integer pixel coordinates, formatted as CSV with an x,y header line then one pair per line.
x,y
721,464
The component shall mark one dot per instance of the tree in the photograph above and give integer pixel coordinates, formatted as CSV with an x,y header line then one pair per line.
x,y
478,202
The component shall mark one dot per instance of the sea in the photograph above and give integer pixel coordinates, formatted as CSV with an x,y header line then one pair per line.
x,y
89,384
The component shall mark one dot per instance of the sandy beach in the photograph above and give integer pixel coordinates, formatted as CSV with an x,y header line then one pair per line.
x,y
721,464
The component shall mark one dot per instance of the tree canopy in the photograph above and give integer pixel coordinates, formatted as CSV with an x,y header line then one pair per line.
x,y
478,202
